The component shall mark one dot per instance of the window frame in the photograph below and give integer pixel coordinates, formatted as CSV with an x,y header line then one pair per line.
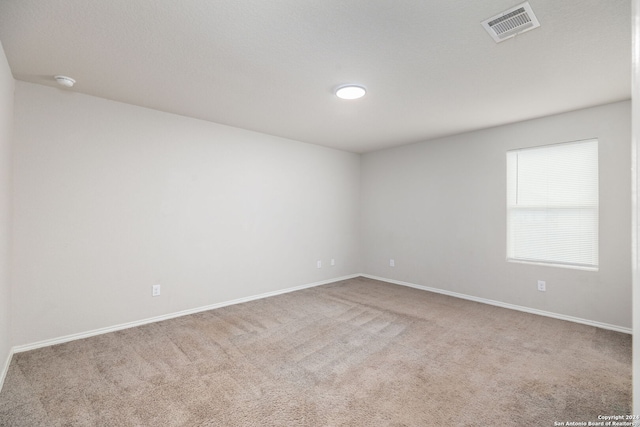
x,y
510,208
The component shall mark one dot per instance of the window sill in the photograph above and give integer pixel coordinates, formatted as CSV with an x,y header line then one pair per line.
x,y
549,264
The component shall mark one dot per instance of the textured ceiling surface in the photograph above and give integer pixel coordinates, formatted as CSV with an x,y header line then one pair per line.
x,y
272,66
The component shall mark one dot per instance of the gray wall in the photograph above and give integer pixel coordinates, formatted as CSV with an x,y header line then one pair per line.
x,y
111,199
438,208
6,124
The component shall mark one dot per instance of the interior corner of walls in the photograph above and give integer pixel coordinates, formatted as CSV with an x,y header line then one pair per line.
x,y
7,120
5,369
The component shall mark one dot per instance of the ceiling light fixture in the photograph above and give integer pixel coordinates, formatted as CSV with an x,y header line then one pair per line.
x,y
65,81
350,91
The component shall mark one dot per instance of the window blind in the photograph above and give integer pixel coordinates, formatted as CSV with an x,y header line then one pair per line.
x,y
552,204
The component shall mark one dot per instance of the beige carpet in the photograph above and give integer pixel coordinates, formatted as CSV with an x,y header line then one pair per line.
x,y
353,353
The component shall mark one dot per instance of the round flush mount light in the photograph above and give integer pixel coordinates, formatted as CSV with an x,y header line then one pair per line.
x,y
350,91
65,81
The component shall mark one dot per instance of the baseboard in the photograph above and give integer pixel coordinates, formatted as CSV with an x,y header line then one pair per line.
x,y
506,305
73,337
87,334
5,369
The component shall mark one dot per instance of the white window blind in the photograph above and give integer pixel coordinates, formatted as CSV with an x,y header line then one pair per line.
x,y
552,204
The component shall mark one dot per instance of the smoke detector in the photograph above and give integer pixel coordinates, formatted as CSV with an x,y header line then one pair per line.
x,y
65,81
511,22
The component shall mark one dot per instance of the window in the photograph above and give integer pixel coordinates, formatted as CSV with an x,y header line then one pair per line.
x,y
552,204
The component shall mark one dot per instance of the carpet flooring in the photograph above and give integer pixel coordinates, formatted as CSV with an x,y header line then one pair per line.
x,y
352,353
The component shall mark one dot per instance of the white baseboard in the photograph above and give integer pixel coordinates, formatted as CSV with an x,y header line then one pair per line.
x,y
5,369
506,305
87,334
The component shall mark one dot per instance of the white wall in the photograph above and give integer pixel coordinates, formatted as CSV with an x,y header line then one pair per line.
x,y
6,126
111,199
635,126
438,208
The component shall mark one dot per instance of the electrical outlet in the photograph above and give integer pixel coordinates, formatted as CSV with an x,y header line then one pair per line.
x,y
333,261
542,285
319,264
392,263
155,291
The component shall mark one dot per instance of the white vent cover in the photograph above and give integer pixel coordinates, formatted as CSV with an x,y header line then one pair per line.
x,y
511,22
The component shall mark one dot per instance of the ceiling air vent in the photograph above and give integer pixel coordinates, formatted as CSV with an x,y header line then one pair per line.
x,y
511,22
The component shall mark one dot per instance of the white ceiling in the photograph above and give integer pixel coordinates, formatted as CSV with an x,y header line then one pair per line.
x,y
271,66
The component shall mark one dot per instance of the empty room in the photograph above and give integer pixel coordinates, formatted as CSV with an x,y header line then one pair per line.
x,y
330,213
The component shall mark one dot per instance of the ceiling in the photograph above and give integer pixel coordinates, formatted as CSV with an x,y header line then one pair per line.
x,y
272,66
